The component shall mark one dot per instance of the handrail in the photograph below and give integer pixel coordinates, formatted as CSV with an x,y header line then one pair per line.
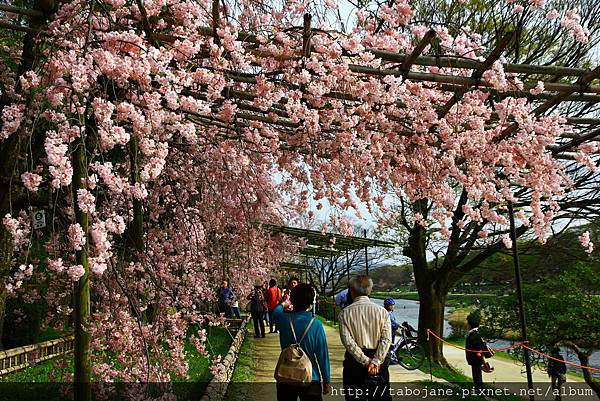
x,y
15,359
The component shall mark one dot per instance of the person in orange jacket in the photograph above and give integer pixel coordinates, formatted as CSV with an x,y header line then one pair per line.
x,y
273,297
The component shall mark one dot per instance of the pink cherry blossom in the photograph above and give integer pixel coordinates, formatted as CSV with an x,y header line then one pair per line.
x,y
586,242
86,201
76,272
31,181
506,241
76,236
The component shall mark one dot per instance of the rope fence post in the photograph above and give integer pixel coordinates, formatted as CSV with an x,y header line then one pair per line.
x,y
429,357
334,310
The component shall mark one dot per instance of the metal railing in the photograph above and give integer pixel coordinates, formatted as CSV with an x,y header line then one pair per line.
x,y
19,358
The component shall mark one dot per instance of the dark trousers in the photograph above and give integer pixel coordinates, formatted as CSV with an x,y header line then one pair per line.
x,y
224,308
272,322
557,383
312,392
236,312
477,377
257,318
359,385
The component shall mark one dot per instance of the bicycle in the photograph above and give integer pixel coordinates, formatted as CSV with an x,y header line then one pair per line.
x,y
407,352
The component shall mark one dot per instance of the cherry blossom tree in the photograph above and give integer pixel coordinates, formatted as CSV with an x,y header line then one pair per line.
x,y
153,130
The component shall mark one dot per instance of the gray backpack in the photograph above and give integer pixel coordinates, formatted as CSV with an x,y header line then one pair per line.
x,y
294,367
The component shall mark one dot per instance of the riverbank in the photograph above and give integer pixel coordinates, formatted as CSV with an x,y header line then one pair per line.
x,y
452,300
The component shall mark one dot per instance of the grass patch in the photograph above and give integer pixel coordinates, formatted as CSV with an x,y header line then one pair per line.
x,y
325,321
49,334
244,367
219,341
37,373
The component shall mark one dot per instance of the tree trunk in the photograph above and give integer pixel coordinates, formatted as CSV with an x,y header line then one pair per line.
x,y
82,287
431,317
432,288
6,253
584,360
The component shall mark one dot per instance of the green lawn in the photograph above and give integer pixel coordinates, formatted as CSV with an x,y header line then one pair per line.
x,y
219,341
244,370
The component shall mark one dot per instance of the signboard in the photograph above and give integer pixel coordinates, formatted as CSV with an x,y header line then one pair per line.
x,y
39,219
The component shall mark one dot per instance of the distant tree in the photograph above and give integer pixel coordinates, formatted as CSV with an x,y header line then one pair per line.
x,y
561,311
330,275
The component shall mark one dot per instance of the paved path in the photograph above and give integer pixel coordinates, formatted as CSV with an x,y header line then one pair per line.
x,y
504,369
511,375
267,352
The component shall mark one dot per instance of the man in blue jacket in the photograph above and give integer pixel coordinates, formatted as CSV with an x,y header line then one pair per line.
x,y
314,344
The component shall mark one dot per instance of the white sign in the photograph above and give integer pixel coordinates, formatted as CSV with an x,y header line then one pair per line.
x,y
39,219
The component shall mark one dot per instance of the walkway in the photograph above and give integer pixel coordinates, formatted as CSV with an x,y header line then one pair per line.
x,y
504,369
267,352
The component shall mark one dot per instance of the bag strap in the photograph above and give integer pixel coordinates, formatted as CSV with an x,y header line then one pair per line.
x,y
305,330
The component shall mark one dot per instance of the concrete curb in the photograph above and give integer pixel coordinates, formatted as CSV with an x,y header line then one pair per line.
x,y
217,387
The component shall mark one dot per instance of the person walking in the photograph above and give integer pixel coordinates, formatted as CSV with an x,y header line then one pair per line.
x,y
224,299
314,344
272,296
235,305
476,350
365,331
557,371
343,298
265,287
258,307
389,305
294,281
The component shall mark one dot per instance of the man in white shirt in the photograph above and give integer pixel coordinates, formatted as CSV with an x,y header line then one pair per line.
x,y
366,333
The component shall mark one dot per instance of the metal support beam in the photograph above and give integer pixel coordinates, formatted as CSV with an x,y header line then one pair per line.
x,y
347,265
366,254
513,237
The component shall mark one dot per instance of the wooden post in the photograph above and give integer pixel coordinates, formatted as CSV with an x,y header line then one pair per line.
x,y
82,287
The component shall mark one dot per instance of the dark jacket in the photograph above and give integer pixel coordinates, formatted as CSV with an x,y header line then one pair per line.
x,y
476,343
556,368
257,301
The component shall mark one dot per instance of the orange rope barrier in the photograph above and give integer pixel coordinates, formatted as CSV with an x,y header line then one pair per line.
x,y
522,344
471,350
560,360
326,301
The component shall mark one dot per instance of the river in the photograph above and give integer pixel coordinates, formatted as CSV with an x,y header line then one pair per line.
x,y
407,310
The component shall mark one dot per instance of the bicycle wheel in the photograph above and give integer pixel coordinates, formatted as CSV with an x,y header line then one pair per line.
x,y
410,355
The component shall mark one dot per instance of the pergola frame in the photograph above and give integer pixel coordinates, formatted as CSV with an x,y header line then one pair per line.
x,y
327,245
581,89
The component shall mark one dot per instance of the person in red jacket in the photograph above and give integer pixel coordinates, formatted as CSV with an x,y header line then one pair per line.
x,y
273,297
